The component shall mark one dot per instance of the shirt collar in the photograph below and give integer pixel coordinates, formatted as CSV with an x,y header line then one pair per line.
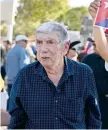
x,y
68,68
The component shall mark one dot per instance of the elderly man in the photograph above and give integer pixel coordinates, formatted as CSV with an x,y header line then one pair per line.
x,y
101,40
54,92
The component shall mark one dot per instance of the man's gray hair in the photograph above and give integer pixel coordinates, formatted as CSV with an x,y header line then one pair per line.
x,y
49,27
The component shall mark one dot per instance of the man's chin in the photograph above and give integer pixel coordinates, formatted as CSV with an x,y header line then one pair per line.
x,y
46,64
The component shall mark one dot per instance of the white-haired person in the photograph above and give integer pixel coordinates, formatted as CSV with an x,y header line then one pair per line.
x,y
54,92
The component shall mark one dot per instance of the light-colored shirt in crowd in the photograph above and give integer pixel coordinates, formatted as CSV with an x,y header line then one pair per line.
x,y
106,66
31,54
16,59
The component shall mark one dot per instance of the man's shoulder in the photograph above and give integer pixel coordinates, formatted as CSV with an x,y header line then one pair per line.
x,y
30,67
9,52
22,49
90,57
79,68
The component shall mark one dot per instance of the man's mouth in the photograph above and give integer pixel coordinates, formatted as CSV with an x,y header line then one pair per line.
x,y
45,58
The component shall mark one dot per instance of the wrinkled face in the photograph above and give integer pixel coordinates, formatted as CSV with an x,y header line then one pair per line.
x,y
49,50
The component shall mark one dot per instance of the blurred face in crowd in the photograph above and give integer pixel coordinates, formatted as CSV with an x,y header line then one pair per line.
x,y
23,43
49,50
7,46
72,54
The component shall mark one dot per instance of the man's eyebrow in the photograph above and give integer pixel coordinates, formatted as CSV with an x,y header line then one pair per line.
x,y
48,39
38,39
52,39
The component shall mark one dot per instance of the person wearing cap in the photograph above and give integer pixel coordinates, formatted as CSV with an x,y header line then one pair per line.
x,y
100,36
54,92
72,52
16,59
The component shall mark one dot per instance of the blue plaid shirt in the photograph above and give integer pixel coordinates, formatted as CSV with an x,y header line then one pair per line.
x,y
36,103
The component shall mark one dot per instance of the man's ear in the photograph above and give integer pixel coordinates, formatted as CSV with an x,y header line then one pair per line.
x,y
66,47
67,44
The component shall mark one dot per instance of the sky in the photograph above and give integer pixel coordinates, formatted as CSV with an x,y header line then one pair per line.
x,y
77,3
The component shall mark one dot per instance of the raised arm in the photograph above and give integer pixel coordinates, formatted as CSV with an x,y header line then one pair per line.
x,y
98,33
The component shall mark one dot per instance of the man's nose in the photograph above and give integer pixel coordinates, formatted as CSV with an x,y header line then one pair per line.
x,y
44,48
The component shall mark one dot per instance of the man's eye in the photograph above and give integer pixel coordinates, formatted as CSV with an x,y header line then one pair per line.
x,y
50,42
39,42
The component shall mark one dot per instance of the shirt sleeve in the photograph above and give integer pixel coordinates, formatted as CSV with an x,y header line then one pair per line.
x,y
24,58
18,115
93,116
106,66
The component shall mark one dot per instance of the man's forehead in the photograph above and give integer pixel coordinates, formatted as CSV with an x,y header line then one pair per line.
x,y
49,35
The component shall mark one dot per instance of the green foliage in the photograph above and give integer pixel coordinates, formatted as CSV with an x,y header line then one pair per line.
x,y
73,17
33,12
3,29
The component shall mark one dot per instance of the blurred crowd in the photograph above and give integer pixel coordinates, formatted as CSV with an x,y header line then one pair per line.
x,y
10,52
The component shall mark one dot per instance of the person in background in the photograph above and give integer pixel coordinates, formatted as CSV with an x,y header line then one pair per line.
x,y
2,63
16,59
89,48
8,45
82,53
96,63
72,52
54,92
101,40
30,52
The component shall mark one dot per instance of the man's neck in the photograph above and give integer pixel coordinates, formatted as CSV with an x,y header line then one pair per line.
x,y
56,69
55,73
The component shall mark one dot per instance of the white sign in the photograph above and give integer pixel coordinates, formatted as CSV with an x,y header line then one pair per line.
x,y
7,10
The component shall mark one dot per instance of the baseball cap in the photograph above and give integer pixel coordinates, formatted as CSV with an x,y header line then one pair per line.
x,y
73,45
21,37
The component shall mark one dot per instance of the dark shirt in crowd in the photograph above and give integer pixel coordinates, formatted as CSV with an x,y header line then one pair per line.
x,y
36,103
97,64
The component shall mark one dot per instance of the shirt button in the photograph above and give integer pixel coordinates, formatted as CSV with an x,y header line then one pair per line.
x,y
56,118
56,101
